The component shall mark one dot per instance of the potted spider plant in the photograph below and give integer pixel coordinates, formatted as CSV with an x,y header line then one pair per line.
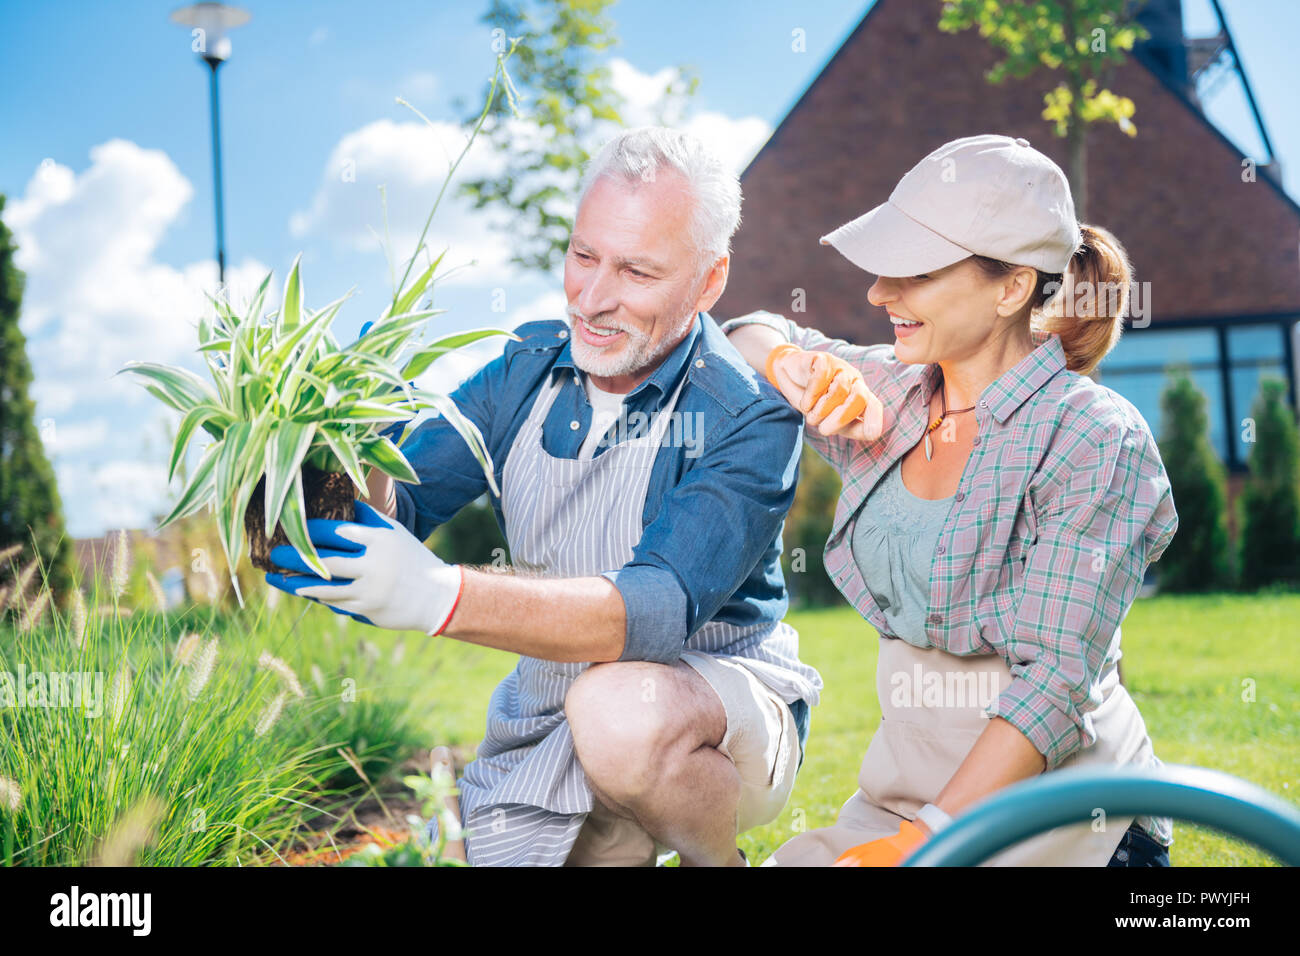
x,y
296,419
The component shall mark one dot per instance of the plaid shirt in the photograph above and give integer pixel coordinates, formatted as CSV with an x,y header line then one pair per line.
x,y
1063,504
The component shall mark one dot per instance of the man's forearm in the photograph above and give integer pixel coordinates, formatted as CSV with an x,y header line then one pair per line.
x,y
555,619
381,492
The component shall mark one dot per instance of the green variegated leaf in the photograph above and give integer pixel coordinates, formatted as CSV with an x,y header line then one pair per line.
x,y
426,355
380,378
468,431
285,451
238,469
178,387
233,371
200,489
198,415
294,521
327,346
385,456
408,298
291,307
388,336
231,462
279,359
373,410
347,457
371,376
291,378
259,301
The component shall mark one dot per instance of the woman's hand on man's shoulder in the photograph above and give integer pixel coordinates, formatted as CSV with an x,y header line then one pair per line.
x,y
831,393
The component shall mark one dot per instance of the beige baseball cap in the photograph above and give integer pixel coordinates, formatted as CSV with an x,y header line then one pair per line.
x,y
981,195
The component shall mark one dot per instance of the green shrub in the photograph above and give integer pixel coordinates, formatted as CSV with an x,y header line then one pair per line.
x,y
1270,500
1199,557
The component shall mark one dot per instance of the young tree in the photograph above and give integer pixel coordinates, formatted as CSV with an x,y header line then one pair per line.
x,y
1085,39
1270,501
30,511
1198,559
565,100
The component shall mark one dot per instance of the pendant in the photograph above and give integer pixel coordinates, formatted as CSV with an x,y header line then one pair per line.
x,y
928,450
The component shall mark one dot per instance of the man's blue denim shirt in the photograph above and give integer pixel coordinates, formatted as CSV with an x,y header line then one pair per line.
x,y
716,502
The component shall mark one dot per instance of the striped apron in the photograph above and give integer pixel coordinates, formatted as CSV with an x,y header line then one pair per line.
x,y
525,796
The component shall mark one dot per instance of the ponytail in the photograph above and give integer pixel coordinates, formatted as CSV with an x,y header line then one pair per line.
x,y
1088,309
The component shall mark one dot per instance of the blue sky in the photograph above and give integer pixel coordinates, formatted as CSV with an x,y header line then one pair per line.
x,y
105,158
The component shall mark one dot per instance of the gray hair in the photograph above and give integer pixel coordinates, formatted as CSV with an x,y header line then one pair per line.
x,y
635,155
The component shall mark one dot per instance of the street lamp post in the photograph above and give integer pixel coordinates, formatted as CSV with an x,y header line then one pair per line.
x,y
209,25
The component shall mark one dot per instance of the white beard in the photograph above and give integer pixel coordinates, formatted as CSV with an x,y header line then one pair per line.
x,y
635,355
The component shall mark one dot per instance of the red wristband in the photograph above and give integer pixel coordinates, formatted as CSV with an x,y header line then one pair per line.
x,y
459,591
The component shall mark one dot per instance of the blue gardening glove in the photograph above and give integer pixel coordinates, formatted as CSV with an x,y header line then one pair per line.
x,y
383,574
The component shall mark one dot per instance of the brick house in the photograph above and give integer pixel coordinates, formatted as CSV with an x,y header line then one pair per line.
x,y
1222,255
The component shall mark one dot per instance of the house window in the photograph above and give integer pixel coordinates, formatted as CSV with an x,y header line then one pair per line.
x,y
1225,361
1254,351
1138,366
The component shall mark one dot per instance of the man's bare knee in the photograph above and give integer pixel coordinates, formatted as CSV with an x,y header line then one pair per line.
x,y
617,724
631,719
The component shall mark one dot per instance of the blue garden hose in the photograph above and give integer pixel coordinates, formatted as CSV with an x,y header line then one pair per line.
x,y
1208,797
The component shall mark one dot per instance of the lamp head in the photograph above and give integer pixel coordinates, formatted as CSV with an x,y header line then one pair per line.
x,y
210,24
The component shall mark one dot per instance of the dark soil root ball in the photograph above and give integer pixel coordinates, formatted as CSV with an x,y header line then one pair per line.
x,y
327,494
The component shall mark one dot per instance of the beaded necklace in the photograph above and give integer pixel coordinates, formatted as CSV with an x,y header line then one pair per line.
x,y
943,392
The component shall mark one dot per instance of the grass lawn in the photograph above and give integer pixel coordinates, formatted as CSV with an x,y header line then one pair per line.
x,y
1188,662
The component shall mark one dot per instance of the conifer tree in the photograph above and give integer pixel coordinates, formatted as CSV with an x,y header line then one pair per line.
x,y
30,510
1199,558
1270,501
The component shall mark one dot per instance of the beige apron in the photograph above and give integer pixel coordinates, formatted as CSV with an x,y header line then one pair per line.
x,y
923,738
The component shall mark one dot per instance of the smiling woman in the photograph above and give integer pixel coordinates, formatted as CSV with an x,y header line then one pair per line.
x,y
1031,498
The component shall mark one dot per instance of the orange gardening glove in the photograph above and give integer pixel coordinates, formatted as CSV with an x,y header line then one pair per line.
x,y
887,851
829,391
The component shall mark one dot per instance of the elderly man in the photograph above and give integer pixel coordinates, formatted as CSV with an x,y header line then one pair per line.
x,y
645,471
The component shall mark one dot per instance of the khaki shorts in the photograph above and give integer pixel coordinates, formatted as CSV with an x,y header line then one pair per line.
x,y
761,740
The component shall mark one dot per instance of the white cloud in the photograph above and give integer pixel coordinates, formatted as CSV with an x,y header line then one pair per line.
x,y
410,160
643,93
119,493
95,298
444,375
74,436
51,397
548,305
734,140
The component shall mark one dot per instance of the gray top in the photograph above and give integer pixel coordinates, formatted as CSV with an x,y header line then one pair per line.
x,y
894,537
